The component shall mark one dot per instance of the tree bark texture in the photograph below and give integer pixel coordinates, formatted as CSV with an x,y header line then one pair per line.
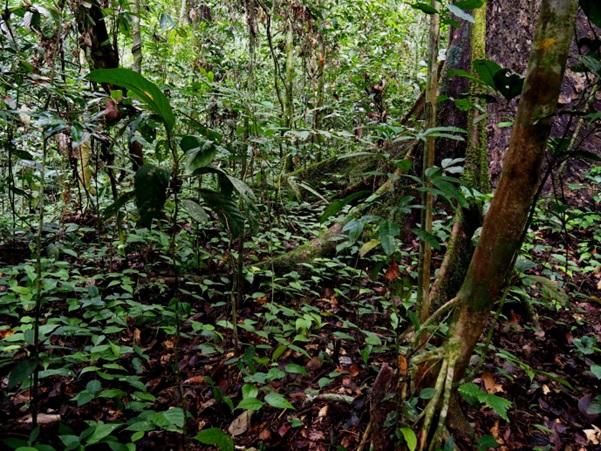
x,y
507,216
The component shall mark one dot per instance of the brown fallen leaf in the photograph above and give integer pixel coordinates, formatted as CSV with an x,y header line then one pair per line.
x,y
323,411
403,365
314,364
283,429
137,336
265,434
593,436
240,424
197,380
490,384
495,432
392,273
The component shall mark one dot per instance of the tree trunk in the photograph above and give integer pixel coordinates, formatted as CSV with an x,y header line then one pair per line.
x,y
136,48
467,220
507,217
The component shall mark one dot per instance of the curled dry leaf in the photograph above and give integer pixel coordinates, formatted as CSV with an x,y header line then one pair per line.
x,y
490,384
240,424
593,436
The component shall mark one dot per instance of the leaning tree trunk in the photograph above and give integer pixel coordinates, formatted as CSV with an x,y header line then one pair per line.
x,y
504,224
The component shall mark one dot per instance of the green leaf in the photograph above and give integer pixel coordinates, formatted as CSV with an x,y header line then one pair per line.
x,y
372,339
486,442
509,84
199,151
249,391
195,210
141,88
278,401
592,9
70,441
294,368
455,10
470,4
226,208
596,370
335,206
498,404
101,431
368,247
215,437
20,373
486,70
410,438
470,392
473,395
424,7
250,404
386,233
171,419
150,185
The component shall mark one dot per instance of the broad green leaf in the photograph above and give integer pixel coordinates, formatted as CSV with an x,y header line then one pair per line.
x,y
249,391
410,438
498,404
372,339
278,401
487,442
596,370
150,184
199,151
486,70
20,373
424,7
101,431
250,404
335,206
215,437
461,13
195,210
293,368
170,420
368,247
509,84
473,395
387,233
141,88
226,208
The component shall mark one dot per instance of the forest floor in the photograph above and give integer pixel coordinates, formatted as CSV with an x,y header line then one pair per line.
x,y
310,343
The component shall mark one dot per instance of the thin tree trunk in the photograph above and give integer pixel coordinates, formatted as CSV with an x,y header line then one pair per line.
x,y
423,297
467,220
136,48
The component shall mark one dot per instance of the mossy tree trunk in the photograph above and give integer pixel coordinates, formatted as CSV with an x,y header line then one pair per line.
x,y
507,217
467,220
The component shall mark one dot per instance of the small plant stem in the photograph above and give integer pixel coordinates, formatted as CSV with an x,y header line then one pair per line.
x,y
175,269
432,404
38,296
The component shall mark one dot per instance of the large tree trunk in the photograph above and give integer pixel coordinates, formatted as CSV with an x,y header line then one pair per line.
x,y
504,224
